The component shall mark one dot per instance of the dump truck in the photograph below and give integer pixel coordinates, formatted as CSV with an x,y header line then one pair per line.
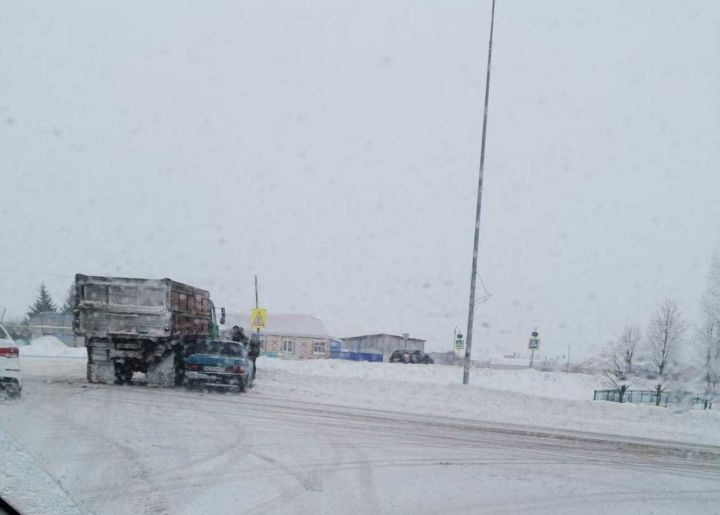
x,y
140,325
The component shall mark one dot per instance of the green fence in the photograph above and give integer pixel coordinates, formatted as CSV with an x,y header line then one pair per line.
x,y
649,398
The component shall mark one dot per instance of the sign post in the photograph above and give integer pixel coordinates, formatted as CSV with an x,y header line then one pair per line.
x,y
533,345
459,342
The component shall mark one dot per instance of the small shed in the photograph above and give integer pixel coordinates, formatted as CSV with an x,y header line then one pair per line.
x,y
382,343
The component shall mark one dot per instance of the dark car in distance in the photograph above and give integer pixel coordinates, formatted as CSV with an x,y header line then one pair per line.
x,y
415,356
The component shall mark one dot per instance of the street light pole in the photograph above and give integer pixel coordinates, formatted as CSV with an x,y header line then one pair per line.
x,y
473,276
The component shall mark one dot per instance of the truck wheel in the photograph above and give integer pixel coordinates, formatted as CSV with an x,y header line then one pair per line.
x,y
102,372
162,372
123,373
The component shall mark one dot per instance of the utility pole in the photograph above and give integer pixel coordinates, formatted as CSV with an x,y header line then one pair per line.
x,y
257,303
567,369
452,346
473,276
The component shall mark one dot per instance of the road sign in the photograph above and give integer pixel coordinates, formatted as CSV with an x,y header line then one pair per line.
x,y
258,318
459,342
533,343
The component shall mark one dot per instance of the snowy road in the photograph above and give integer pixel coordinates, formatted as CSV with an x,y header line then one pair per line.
x,y
134,449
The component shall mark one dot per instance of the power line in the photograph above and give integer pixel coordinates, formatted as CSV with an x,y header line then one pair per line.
x,y
25,272
485,297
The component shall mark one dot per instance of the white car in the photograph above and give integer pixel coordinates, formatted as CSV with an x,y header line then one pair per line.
x,y
10,378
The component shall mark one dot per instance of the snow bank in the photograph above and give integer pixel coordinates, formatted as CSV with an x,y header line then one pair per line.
x,y
51,347
27,486
556,385
524,397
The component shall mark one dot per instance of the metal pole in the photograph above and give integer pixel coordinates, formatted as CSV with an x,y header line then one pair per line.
x,y
473,276
532,357
452,346
257,303
567,369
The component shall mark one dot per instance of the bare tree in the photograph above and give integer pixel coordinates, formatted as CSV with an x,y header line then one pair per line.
x,y
627,345
615,372
710,301
709,334
618,361
708,341
664,334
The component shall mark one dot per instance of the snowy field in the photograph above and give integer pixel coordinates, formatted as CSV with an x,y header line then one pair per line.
x,y
331,436
547,399
552,400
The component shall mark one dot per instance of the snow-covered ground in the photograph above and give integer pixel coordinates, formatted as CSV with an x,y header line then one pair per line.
x,y
26,482
329,436
548,399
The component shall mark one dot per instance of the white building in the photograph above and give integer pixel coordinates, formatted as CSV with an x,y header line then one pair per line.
x,y
286,335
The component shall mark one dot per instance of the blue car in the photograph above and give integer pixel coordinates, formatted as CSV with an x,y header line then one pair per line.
x,y
219,364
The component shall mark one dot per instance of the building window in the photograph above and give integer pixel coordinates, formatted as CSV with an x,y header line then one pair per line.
x,y
288,346
319,347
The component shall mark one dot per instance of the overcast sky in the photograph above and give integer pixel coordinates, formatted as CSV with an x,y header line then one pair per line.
x,y
332,148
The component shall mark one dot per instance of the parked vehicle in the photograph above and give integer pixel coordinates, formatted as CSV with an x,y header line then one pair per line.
x,y
140,325
406,356
219,364
10,377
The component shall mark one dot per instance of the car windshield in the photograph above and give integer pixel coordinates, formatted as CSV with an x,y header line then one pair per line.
x,y
469,251
223,348
3,334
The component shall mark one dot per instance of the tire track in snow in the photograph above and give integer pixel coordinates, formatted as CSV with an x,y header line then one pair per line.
x,y
151,496
352,444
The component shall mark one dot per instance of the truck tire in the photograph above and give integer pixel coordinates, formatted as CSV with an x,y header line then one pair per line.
x,y
162,372
101,372
123,372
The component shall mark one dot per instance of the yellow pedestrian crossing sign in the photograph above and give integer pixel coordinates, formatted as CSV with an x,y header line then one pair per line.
x,y
258,319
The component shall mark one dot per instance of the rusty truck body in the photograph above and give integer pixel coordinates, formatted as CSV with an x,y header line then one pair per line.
x,y
139,325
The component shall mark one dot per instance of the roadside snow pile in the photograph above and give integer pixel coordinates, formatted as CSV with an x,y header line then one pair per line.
x,y
556,385
50,346
523,397
27,486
